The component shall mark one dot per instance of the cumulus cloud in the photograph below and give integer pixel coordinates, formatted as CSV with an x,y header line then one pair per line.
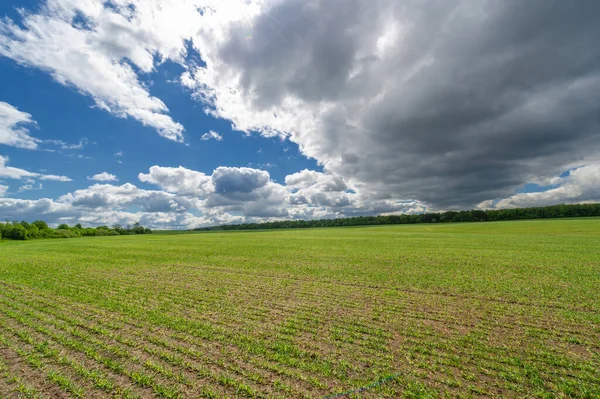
x,y
8,172
188,198
580,185
310,178
231,181
179,180
211,135
247,192
239,192
56,212
449,103
13,130
17,209
108,205
97,47
104,176
154,220
109,197
250,194
3,190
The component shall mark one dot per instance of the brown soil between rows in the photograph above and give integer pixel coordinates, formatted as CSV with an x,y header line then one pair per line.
x,y
31,377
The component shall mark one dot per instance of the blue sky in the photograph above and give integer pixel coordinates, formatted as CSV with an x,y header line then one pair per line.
x,y
313,113
63,114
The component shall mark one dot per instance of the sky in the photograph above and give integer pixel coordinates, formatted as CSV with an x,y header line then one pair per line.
x,y
188,113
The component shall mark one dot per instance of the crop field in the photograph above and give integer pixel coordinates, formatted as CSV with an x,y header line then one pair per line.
x,y
505,309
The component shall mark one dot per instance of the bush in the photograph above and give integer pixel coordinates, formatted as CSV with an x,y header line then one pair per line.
x,y
15,232
62,233
106,232
41,225
39,229
89,232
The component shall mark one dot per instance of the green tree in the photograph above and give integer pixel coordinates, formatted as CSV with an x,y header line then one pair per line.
x,y
15,232
41,225
32,231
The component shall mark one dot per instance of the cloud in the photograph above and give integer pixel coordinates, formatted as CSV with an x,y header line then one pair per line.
x,y
448,103
26,187
250,194
310,178
44,208
230,181
66,146
580,185
63,179
100,47
109,197
105,204
29,187
315,188
13,130
262,165
243,192
12,127
247,192
188,199
104,176
179,180
8,172
211,135
3,190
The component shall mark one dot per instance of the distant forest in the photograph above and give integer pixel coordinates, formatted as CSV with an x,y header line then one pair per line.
x,y
546,212
39,229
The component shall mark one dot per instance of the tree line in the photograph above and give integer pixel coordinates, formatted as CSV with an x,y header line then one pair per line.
x,y
40,229
545,212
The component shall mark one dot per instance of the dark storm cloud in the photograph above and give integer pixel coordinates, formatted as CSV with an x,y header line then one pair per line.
x,y
450,103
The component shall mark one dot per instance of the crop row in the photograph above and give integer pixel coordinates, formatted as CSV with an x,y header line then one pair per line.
x,y
182,348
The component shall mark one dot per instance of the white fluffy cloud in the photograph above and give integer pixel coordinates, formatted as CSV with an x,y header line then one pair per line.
x,y
44,208
211,135
8,172
237,192
13,127
249,194
310,178
109,197
3,190
580,185
179,180
104,176
188,198
95,45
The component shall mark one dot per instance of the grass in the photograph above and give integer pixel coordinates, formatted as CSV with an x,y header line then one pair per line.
x,y
506,309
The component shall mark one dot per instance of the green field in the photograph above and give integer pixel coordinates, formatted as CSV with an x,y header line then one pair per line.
x,y
505,309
